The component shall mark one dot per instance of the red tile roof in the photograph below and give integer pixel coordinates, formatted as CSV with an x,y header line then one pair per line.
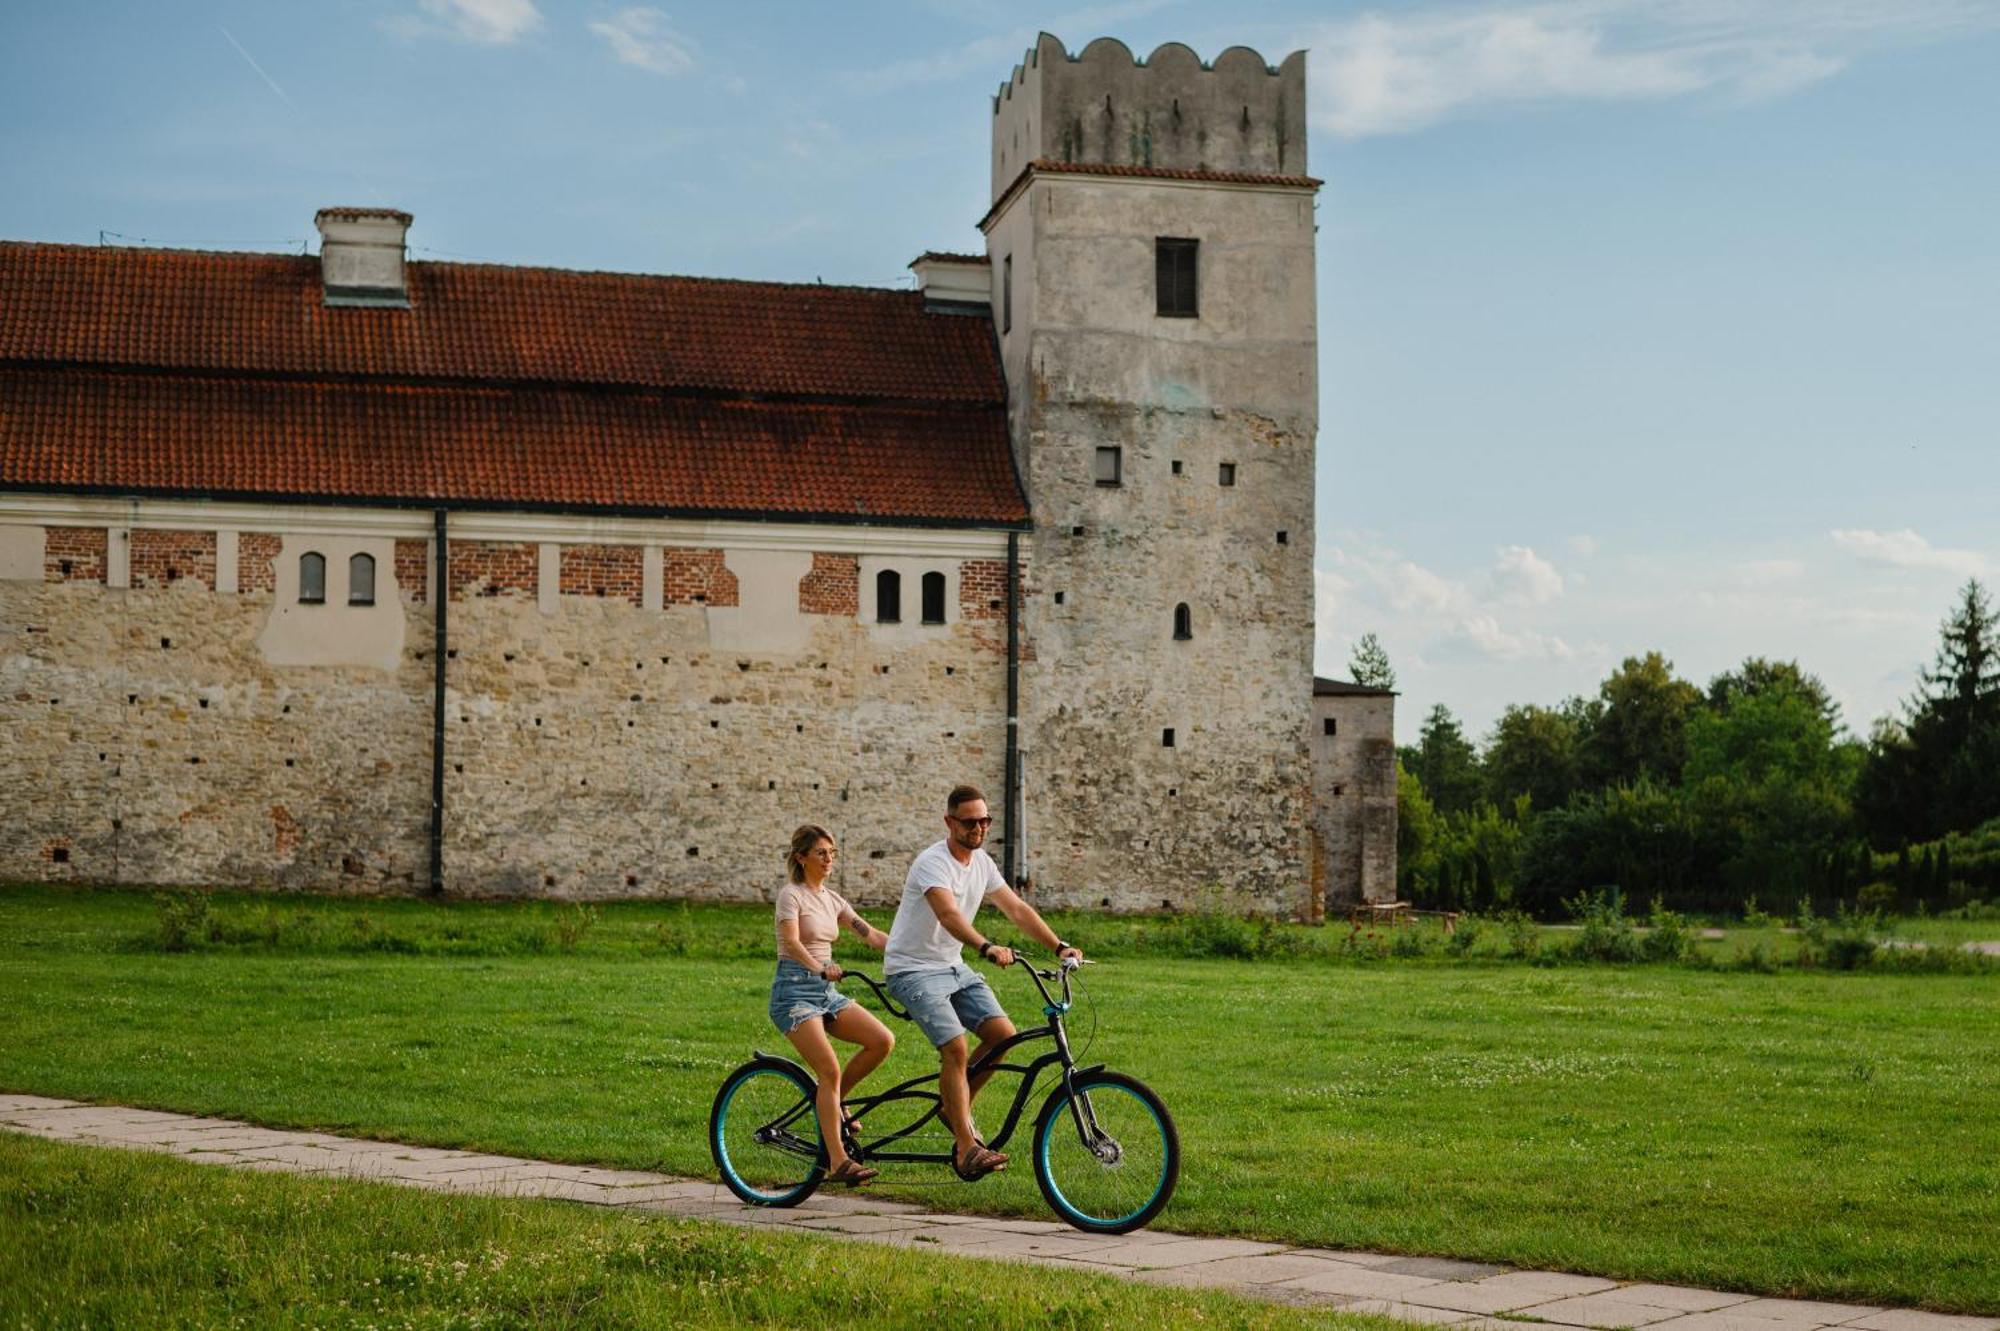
x,y
224,374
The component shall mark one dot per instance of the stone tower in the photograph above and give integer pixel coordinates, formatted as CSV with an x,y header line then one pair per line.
x,y
1151,242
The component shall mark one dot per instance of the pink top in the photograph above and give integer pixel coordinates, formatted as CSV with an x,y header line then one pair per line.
x,y
819,911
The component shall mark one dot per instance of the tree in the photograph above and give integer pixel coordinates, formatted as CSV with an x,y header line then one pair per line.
x,y
1446,762
1757,676
1369,664
1533,752
1939,772
1642,730
1416,835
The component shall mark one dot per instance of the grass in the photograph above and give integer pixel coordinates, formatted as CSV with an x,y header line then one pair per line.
x,y
116,1238
1824,1135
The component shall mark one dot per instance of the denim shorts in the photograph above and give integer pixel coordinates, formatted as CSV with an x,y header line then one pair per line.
x,y
946,1003
797,996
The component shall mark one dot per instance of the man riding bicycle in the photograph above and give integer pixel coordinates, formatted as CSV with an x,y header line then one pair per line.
x,y
925,970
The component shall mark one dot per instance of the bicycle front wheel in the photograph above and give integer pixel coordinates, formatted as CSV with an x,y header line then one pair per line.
x,y
1107,1157
764,1134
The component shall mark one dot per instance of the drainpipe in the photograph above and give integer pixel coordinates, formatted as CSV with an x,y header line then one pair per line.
x,y
439,598
1014,857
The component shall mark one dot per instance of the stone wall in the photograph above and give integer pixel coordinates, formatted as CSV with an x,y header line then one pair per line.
x,y
1354,780
1166,771
595,748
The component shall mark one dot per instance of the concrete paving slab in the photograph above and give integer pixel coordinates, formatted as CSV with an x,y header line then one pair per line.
x,y
1408,1312
1171,1250
1233,1271
1802,1310
1358,1282
1553,1284
1609,1309
1908,1319
1478,1297
1070,1246
1441,1268
1734,1319
1371,1260
12,1103
1680,1297
855,1224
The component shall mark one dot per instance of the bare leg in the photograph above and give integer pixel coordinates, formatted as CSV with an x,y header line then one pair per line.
x,y
954,1096
809,1038
857,1025
991,1032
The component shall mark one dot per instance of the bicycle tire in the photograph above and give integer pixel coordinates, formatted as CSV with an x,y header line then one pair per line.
x,y
1107,1196
763,1134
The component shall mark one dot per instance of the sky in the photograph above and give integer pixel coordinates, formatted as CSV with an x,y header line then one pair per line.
x,y
1645,325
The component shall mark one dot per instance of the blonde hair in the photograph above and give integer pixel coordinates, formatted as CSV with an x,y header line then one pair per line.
x,y
803,840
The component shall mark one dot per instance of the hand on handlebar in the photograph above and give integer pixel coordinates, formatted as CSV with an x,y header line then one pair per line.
x,y
1003,957
832,972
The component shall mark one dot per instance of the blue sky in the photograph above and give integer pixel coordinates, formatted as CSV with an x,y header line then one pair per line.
x,y
1645,324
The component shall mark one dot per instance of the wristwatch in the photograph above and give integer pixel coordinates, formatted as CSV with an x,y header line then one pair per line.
x,y
986,950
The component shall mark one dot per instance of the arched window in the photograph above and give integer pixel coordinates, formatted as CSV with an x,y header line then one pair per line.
x,y
933,598
888,597
1183,623
312,578
361,580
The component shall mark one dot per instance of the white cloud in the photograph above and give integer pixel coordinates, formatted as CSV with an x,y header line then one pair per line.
x,y
1906,549
999,51
1522,577
1481,638
494,21
642,37
1403,70
1583,545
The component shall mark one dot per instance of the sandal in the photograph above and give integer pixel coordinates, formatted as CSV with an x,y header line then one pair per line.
x,y
978,1162
852,1173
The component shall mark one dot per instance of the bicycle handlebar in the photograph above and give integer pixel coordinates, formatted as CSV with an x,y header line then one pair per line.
x,y
1064,965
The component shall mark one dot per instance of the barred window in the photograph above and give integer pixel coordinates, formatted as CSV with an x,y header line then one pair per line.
x,y
1174,265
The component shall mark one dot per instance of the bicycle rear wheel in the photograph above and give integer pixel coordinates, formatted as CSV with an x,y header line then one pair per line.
x,y
764,1134
1107,1159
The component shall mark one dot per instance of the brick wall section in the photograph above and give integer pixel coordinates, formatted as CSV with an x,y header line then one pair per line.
x,y
257,562
982,589
413,559
611,571
81,549
695,577
162,558
833,587
492,568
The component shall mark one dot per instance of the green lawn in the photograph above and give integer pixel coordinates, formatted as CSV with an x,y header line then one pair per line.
x,y
1812,1134
119,1239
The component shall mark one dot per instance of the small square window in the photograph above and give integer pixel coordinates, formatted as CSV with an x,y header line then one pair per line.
x,y
1076,531
1282,538
1329,726
1167,738
1110,469
1177,466
1059,598
1226,474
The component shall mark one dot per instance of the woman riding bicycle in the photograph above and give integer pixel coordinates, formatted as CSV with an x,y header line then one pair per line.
x,y
804,1003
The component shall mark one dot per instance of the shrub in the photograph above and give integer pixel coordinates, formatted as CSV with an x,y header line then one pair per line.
x,y
1606,934
1877,898
573,922
1667,937
1524,936
183,920
1464,936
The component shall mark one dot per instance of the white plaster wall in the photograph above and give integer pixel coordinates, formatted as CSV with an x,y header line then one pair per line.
x,y
336,633
766,618
21,551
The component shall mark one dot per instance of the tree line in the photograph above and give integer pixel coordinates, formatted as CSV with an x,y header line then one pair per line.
x,y
1713,799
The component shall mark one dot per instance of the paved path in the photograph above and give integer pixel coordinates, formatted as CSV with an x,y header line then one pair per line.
x,y
1429,1290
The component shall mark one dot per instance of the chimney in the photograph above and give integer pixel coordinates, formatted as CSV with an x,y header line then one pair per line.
x,y
955,283
361,256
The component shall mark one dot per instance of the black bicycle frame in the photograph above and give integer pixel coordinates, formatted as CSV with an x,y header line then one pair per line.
x,y
988,1064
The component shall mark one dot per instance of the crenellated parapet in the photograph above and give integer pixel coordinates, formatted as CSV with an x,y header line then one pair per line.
x,y
1172,110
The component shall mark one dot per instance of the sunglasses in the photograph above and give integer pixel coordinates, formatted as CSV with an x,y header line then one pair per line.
x,y
970,822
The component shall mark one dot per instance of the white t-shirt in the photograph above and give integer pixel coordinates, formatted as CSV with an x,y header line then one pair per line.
x,y
917,941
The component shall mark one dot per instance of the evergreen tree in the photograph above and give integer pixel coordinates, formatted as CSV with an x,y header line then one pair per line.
x,y
1369,664
1446,762
1939,772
